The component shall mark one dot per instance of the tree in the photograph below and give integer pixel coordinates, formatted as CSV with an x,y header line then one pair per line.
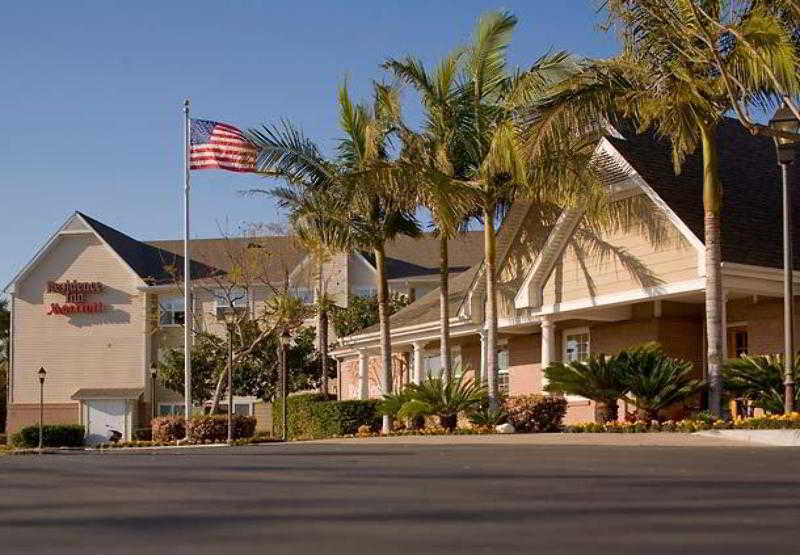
x,y
5,329
361,313
759,378
598,378
675,75
655,380
372,210
436,152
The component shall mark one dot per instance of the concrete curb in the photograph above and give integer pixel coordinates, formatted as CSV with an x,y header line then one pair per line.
x,y
782,438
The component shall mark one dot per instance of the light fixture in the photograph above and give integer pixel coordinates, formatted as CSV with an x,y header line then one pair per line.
x,y
42,373
153,370
786,122
229,316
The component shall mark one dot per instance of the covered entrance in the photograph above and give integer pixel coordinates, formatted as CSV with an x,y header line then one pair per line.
x,y
108,414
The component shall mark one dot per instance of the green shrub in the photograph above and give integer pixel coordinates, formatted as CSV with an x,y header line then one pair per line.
x,y
487,418
3,439
54,435
312,416
536,413
448,399
598,378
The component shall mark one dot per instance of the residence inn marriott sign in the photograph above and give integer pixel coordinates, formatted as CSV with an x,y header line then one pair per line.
x,y
77,296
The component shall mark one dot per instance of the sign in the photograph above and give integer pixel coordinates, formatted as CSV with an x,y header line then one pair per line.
x,y
76,295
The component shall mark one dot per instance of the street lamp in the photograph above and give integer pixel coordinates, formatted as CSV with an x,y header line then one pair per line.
x,y
230,320
285,338
153,378
42,373
785,121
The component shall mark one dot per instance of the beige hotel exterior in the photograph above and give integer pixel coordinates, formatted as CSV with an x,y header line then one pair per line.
x,y
96,308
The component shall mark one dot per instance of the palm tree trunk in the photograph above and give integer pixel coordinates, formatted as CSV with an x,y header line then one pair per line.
x,y
489,254
383,318
712,206
444,309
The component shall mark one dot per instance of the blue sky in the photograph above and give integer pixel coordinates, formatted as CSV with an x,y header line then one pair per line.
x,y
91,95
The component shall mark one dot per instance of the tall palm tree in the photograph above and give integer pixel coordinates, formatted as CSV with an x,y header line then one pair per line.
x,y
434,152
671,77
370,211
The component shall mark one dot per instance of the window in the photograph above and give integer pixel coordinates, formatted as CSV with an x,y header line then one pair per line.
x,y
223,299
242,409
172,311
737,341
503,378
433,366
302,293
576,344
365,292
171,409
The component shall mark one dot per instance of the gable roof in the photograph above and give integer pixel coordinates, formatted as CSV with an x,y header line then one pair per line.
x,y
150,263
751,183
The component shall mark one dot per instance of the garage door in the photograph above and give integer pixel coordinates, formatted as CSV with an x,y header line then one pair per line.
x,y
104,416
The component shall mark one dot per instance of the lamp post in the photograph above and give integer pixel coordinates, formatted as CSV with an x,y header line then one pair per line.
x,y
230,320
42,373
153,378
285,337
784,121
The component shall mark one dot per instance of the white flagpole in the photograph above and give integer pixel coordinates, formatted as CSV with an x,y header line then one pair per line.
x,y
188,320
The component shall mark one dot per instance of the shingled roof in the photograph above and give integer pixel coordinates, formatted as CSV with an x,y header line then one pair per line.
x,y
751,183
150,263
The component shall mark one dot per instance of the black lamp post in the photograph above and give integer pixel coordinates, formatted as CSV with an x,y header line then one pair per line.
x,y
785,121
153,378
230,320
285,337
42,374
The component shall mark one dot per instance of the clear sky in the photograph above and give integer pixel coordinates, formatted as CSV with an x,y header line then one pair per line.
x,y
91,95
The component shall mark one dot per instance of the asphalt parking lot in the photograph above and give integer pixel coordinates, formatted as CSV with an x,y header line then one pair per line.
x,y
406,497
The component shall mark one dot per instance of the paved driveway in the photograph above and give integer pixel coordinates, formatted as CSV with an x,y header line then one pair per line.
x,y
412,496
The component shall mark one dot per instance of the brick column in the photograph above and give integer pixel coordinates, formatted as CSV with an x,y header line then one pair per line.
x,y
548,346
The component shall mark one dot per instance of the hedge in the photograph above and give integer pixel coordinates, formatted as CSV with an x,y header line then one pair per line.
x,y
313,416
53,435
202,428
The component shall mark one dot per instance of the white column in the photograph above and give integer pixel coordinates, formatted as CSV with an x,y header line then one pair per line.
x,y
548,346
724,326
363,374
484,355
419,363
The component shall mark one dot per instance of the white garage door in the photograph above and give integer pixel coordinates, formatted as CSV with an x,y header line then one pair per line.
x,y
104,415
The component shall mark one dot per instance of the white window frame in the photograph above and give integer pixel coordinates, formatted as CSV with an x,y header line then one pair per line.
x,y
575,331
502,345
365,292
455,359
172,409
167,306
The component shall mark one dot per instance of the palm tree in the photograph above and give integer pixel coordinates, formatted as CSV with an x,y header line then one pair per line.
x,y
759,378
369,211
672,77
655,380
433,153
598,378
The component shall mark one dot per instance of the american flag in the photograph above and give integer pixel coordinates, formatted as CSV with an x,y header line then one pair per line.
x,y
218,145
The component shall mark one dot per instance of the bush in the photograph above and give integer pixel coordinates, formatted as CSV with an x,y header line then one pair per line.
x,y
202,428
143,434
536,413
54,435
3,439
312,416
214,427
168,428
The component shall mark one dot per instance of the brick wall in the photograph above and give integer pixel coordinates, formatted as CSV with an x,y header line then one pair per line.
x,y
27,414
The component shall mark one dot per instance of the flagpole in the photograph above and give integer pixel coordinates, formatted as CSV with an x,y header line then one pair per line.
x,y
187,293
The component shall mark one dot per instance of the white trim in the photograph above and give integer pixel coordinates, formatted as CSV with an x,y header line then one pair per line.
x,y
583,330
626,297
530,293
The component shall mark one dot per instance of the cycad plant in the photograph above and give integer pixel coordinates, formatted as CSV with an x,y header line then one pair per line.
x,y
758,378
446,399
597,378
654,380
